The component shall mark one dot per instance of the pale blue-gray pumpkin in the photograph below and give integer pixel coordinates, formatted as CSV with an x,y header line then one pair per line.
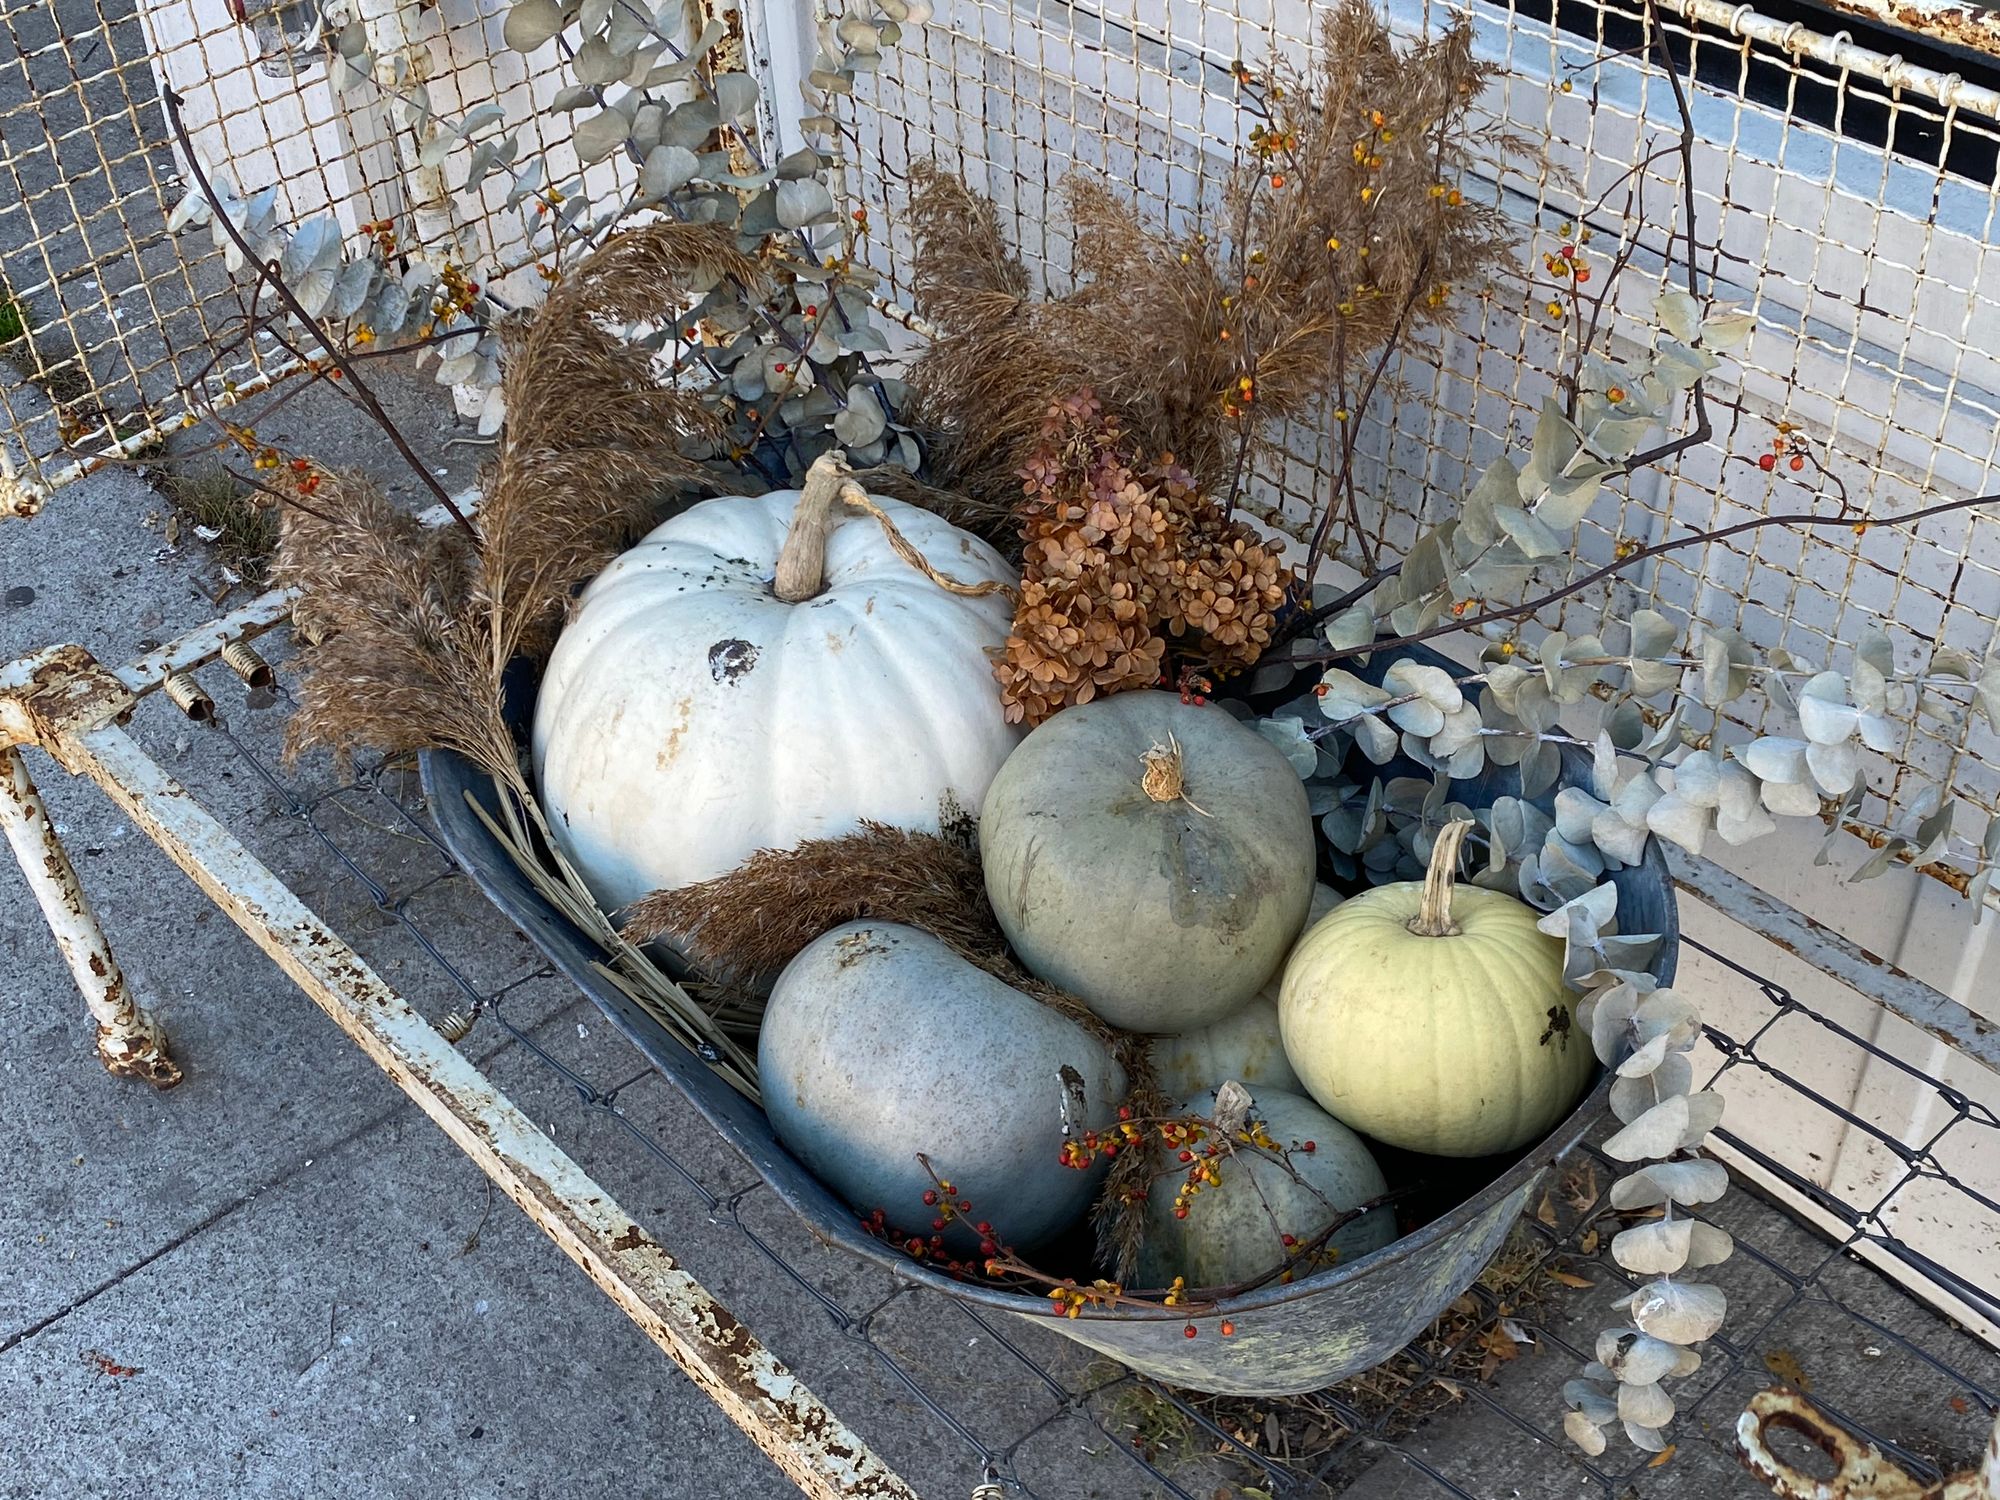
x,y
1234,1230
1245,1045
1152,857
880,1043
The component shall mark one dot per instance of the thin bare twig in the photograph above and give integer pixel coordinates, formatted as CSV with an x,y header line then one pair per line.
x,y
268,274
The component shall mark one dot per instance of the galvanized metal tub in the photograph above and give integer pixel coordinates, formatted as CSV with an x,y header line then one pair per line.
x,y
1287,1338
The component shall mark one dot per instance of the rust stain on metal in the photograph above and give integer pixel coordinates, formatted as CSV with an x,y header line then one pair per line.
x,y
129,1039
61,692
1959,25
1861,1471
800,1435
1951,875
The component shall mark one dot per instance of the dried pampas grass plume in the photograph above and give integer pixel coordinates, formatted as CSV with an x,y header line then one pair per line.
x,y
1342,234
593,436
394,649
409,631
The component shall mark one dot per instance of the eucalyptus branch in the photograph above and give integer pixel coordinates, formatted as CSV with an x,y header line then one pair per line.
x,y
268,274
1633,559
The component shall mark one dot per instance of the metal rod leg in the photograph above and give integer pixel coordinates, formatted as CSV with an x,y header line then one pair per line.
x,y
128,1038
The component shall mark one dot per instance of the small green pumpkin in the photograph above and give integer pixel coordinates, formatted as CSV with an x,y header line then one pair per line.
x,y
1244,1045
1435,1020
1152,857
1235,1229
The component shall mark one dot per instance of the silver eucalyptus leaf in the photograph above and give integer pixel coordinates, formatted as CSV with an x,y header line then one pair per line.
x,y
1377,740
1584,1433
1651,1439
1656,1249
1347,696
1600,903
1790,799
1834,767
1680,1312
1591,1399
1677,818
1632,1097
1636,1358
1576,812
531,23
1644,1405
1775,758
1686,1183
1352,627
1655,1133
1289,735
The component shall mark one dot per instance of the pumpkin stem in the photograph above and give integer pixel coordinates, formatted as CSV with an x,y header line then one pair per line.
x,y
802,560
1165,776
801,571
1433,918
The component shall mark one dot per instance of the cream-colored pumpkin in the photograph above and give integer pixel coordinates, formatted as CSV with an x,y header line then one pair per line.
x,y
759,671
1435,1019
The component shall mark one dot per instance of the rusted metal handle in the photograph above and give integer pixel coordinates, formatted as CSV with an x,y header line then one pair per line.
x,y
1861,1470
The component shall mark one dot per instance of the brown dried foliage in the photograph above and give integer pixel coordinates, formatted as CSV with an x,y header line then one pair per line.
x,y
407,629
1119,557
757,918
1343,232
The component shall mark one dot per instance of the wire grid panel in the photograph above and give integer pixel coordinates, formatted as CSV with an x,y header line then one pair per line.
x,y
105,318
1853,215
1472,1410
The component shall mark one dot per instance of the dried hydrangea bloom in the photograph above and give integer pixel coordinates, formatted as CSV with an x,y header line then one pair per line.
x,y
1116,558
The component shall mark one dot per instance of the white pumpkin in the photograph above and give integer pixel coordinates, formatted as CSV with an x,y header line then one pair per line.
x,y
1235,1229
1435,1020
694,711
880,1043
1244,1045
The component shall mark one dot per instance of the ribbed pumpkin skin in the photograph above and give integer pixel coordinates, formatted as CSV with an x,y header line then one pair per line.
x,y
690,717
1434,1044
1228,1236
1161,918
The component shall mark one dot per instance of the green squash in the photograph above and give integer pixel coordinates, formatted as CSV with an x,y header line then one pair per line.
x,y
1234,1230
1434,1019
1244,1045
1152,857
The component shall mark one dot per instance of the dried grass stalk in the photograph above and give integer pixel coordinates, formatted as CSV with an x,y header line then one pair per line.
x,y
593,437
409,630
1342,230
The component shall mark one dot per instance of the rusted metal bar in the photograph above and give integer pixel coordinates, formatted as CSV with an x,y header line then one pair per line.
x,y
1967,28
129,1039
1840,957
800,1434
1861,1470
1970,26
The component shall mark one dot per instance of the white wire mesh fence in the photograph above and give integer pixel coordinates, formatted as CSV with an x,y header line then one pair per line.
x,y
109,322
1843,195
